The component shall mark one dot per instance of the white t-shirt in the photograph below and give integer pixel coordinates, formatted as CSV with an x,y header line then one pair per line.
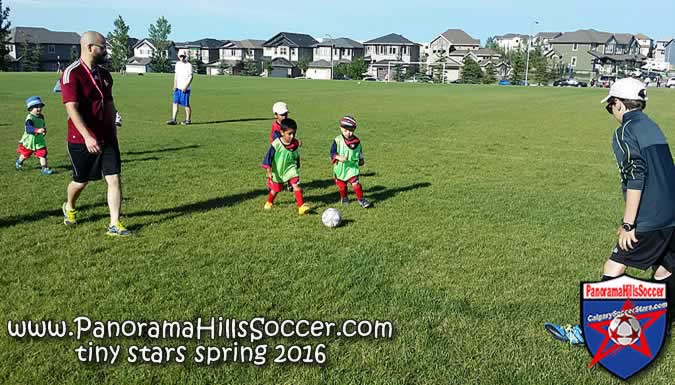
x,y
183,74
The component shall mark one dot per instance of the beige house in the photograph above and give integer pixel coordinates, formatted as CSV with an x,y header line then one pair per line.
x,y
388,52
646,44
449,41
234,53
284,50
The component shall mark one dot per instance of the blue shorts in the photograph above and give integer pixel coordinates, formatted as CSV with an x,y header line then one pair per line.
x,y
182,98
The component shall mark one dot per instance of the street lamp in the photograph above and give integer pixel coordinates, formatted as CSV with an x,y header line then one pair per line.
x,y
332,45
527,62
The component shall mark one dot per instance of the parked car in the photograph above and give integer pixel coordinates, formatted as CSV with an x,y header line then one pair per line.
x,y
369,79
605,81
417,78
504,82
571,82
342,77
671,83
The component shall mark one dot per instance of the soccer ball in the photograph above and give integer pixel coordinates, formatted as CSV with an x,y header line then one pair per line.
x,y
118,120
624,330
331,218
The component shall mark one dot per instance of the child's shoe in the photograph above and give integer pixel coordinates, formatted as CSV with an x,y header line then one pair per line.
x,y
364,203
18,165
268,206
69,216
302,210
47,171
344,201
171,122
118,230
186,122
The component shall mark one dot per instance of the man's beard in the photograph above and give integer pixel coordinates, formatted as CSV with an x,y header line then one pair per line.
x,y
99,59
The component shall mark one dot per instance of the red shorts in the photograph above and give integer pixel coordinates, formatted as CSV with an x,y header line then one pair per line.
x,y
26,153
277,187
352,180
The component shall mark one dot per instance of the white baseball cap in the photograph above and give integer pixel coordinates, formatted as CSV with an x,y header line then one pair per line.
x,y
280,108
627,88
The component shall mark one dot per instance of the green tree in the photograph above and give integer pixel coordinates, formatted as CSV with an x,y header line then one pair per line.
x,y
517,67
490,75
303,64
223,67
36,54
27,56
357,67
4,36
159,37
74,53
471,72
119,43
398,72
491,43
267,65
249,68
437,72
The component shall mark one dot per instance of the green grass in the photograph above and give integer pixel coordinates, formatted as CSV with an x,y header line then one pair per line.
x,y
491,205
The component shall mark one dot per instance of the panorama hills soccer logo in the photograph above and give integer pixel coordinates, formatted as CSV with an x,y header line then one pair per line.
x,y
624,323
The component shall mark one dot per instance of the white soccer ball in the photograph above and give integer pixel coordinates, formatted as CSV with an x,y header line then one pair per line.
x,y
331,217
118,120
624,330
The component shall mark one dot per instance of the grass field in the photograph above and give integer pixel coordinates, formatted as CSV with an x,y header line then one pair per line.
x,y
491,204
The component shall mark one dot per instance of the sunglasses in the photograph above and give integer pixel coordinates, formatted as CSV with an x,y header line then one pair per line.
x,y
610,104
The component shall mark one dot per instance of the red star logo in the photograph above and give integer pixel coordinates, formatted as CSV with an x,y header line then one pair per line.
x,y
641,346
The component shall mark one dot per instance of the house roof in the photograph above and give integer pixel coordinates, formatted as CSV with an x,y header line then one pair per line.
x,y
320,64
290,39
476,52
281,62
619,58
142,41
623,38
459,37
139,60
582,36
341,42
43,36
548,35
511,36
208,43
244,44
392,38
642,36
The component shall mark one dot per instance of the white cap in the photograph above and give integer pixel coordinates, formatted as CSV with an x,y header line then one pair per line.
x,y
627,88
280,108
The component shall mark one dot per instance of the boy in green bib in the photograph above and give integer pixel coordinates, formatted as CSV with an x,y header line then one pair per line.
x,y
347,155
33,139
282,163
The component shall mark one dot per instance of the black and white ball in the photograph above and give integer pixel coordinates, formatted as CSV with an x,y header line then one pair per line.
x,y
331,217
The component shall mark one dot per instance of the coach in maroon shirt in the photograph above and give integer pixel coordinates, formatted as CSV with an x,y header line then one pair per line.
x,y
86,88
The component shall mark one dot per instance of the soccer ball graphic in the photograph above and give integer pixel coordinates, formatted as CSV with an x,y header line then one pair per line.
x,y
624,330
331,218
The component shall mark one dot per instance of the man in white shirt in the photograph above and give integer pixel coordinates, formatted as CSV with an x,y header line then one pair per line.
x,y
181,90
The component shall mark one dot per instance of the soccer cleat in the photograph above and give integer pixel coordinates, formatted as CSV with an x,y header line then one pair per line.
x,y
47,171
18,165
186,122
69,216
302,210
118,230
268,206
364,203
567,333
344,201
171,122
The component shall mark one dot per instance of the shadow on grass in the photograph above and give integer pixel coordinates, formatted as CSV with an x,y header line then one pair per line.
x,y
231,121
159,150
374,194
40,215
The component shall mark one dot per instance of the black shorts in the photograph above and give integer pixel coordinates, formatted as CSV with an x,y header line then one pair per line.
x,y
88,166
654,248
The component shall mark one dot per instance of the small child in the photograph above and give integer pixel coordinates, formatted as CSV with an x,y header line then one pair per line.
x,y
33,139
282,163
347,155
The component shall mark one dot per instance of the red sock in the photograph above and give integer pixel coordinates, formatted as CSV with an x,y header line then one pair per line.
x,y
342,188
358,191
298,197
270,197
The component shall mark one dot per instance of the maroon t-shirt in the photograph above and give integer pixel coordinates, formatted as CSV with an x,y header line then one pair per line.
x,y
92,89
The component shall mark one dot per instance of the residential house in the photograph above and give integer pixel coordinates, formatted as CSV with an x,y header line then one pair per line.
x,y
57,49
339,51
646,44
543,40
285,50
387,53
590,53
234,52
447,42
669,54
143,52
455,61
206,50
662,48
131,42
512,42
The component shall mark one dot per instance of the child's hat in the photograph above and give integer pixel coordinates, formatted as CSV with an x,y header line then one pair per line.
x,y
34,101
279,108
627,88
348,122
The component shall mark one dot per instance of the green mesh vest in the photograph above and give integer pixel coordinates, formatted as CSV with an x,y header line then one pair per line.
x,y
34,142
349,168
285,164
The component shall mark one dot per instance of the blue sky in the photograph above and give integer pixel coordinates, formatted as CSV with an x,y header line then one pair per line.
x,y
419,20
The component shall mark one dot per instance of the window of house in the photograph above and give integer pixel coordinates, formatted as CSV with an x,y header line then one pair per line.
x,y
573,62
404,50
51,48
292,51
275,50
575,47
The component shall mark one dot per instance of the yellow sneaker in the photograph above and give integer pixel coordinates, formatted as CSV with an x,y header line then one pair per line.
x,y
118,230
268,206
69,216
302,210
